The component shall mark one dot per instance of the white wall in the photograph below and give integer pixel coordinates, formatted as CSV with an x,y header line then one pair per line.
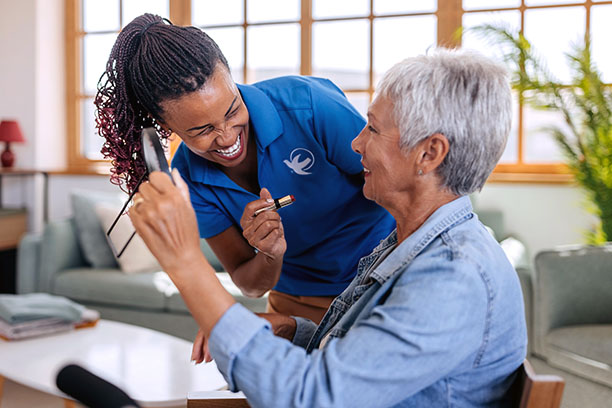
x,y
541,215
32,91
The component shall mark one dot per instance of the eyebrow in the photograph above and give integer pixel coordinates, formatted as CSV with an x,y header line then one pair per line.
x,y
371,116
208,124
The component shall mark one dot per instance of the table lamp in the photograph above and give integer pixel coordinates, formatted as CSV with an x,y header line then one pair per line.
x,y
9,132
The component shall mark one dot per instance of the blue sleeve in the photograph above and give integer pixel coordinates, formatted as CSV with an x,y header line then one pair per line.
x,y
336,124
384,358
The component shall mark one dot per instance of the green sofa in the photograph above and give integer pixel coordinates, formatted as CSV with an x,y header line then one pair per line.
x,y
53,262
573,310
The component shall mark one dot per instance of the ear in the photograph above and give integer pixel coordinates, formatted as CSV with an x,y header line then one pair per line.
x,y
433,150
161,123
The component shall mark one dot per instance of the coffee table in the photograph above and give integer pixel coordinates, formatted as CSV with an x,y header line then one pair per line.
x,y
152,367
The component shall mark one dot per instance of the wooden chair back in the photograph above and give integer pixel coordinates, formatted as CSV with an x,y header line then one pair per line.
x,y
531,390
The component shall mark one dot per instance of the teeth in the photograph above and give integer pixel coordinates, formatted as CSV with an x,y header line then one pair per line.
x,y
230,151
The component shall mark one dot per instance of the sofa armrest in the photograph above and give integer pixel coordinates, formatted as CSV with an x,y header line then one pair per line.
x,y
573,286
28,263
59,251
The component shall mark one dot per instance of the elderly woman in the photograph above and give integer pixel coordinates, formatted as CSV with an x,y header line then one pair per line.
x,y
434,316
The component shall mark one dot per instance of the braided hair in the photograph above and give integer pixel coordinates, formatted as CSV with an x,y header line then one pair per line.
x,y
152,61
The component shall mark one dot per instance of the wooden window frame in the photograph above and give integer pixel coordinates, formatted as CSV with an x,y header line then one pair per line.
x,y
449,14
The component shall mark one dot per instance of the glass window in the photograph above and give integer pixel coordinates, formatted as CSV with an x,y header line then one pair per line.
x,y
360,100
382,7
511,154
540,146
549,2
273,50
211,13
601,32
396,38
96,50
259,11
489,4
231,42
100,15
340,8
475,41
553,32
91,141
134,8
340,52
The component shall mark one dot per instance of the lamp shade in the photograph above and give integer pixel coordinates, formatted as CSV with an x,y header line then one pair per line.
x,y
10,131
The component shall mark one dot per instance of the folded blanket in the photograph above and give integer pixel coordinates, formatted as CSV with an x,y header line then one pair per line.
x,y
16,309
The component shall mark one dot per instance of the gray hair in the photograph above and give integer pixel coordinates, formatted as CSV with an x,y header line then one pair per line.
x,y
462,95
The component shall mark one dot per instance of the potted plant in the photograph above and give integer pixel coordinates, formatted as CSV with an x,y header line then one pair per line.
x,y
586,106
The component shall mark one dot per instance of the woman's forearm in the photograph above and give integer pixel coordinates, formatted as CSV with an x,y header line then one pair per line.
x,y
205,297
257,275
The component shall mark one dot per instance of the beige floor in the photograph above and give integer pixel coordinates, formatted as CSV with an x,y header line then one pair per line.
x,y
579,393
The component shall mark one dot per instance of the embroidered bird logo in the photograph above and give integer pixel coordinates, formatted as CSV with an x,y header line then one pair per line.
x,y
299,165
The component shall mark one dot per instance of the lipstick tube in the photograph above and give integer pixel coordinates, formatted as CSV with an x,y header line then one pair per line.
x,y
278,203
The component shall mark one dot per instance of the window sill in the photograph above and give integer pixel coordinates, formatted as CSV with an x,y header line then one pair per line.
x,y
535,178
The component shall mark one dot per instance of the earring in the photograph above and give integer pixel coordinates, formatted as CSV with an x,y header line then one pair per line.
x,y
420,172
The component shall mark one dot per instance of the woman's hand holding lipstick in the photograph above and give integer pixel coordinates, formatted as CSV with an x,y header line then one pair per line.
x,y
264,231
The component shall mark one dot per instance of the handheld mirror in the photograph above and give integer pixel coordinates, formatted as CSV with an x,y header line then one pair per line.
x,y
121,232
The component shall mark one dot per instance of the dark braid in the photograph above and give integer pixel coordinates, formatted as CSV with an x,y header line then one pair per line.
x,y
152,61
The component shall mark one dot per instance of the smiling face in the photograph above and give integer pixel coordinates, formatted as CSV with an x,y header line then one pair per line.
x,y
389,173
213,121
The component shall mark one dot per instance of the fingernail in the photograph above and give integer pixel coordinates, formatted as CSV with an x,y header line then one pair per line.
x,y
269,200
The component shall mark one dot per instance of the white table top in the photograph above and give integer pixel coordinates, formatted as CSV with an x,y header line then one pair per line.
x,y
152,367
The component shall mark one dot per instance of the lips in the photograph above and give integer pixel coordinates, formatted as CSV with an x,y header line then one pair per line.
x,y
232,152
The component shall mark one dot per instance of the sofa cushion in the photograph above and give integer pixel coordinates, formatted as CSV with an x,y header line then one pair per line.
x,y
91,236
136,258
175,302
591,341
112,287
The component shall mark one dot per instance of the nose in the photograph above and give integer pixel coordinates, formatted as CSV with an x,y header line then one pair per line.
x,y
226,137
356,143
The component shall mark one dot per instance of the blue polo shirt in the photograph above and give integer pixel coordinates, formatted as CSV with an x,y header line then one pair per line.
x,y
303,127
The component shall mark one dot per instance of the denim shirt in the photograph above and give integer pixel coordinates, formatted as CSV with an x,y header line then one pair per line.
x,y
438,322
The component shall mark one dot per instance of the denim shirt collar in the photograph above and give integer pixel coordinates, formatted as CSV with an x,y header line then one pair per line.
x,y
441,220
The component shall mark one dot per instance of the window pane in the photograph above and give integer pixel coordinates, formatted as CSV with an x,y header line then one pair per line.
x,y
231,42
510,155
489,4
340,8
135,8
540,147
552,32
91,141
340,52
601,32
473,40
272,10
209,12
96,50
360,100
401,37
273,51
395,7
545,2
100,15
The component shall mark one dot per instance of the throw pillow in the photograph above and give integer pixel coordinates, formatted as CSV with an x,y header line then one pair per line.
x,y
90,234
136,257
